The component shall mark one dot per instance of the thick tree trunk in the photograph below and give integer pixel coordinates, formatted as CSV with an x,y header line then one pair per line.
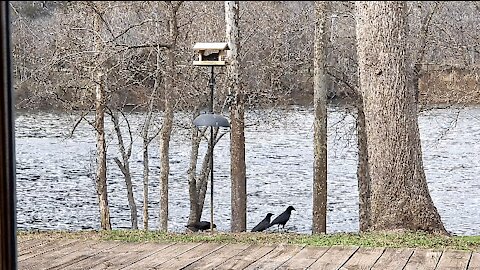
x,y
320,123
399,194
237,118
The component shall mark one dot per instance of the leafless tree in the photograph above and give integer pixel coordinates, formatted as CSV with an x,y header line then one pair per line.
x,y
320,123
237,119
399,194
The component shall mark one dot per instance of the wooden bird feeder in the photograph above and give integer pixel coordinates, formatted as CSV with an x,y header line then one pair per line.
x,y
211,54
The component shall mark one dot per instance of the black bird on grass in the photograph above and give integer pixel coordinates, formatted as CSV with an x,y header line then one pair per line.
x,y
282,218
264,224
200,226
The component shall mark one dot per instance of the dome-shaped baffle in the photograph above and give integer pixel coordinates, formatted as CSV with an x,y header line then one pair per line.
x,y
211,120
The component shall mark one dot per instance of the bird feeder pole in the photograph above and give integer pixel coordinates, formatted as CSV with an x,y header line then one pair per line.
x,y
215,58
212,85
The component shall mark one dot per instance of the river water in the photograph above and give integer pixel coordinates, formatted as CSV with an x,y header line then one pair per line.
x,y
55,186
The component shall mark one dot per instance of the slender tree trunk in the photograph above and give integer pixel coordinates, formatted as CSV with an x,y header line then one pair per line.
x,y
101,174
146,173
237,118
101,153
362,169
399,194
320,122
197,183
192,176
124,166
164,151
146,139
203,180
168,114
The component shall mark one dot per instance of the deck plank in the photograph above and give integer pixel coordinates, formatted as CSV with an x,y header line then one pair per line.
x,y
28,245
423,259
393,258
117,257
474,261
454,259
220,256
60,257
189,257
83,251
46,248
334,258
275,258
163,255
69,254
246,257
364,258
304,258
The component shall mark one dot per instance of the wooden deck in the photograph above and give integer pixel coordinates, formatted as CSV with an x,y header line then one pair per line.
x,y
37,254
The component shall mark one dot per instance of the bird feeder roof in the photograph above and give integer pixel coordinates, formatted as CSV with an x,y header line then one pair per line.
x,y
201,46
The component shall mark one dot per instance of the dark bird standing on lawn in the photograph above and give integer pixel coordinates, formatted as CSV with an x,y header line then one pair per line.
x,y
282,218
264,224
200,226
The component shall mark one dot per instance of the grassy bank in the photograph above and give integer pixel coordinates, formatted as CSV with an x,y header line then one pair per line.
x,y
395,240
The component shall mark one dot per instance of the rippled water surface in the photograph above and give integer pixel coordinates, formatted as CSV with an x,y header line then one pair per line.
x,y
55,187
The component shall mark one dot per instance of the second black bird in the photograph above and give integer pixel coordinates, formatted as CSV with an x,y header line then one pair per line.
x,y
282,218
264,224
200,226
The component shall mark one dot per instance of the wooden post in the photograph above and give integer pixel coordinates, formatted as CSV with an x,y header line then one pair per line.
x,y
8,227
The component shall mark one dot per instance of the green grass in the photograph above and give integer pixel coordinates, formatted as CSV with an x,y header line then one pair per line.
x,y
394,240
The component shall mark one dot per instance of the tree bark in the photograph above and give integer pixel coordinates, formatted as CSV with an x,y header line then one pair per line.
x,y
101,152
237,118
170,89
363,176
124,166
202,181
192,176
320,122
400,199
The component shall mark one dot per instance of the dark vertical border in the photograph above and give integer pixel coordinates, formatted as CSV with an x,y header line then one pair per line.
x,y
8,227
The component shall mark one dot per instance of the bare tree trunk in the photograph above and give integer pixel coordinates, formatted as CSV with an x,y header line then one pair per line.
x,y
203,180
168,114
399,194
146,172
192,179
101,153
146,139
124,166
164,152
101,174
320,123
362,169
237,118
197,183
